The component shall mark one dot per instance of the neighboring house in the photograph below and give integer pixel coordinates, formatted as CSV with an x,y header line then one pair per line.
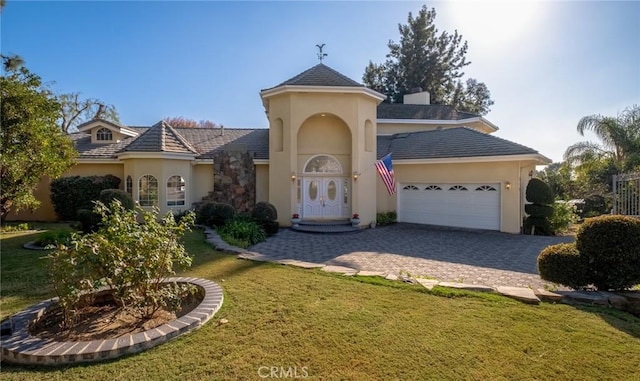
x,y
317,159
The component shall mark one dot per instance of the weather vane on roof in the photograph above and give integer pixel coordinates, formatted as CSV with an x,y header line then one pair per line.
x,y
321,55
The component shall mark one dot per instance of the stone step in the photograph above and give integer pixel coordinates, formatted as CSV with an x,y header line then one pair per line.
x,y
339,222
326,228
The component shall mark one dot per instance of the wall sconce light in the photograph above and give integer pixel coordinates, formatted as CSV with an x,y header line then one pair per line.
x,y
293,176
507,185
355,176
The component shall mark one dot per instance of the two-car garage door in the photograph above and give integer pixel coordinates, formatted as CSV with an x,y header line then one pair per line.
x,y
474,206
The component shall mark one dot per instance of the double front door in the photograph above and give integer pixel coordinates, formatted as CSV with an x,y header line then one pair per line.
x,y
323,197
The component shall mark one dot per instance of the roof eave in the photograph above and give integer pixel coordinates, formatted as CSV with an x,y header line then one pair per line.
x,y
265,94
491,127
155,155
538,158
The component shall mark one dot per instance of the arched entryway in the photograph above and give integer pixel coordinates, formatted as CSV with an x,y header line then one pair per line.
x,y
325,190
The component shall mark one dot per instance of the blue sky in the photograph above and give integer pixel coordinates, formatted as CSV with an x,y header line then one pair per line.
x,y
547,64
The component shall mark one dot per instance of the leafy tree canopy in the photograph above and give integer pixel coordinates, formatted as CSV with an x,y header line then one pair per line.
x,y
32,144
431,61
619,140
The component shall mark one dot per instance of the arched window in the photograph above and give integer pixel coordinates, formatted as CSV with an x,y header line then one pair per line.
x,y
129,186
148,191
104,134
323,164
175,191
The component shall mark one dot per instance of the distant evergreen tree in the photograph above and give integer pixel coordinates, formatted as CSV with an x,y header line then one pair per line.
x,y
430,61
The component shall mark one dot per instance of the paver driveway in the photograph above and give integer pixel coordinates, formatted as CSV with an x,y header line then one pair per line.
x,y
459,255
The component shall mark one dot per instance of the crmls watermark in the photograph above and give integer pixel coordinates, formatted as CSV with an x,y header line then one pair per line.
x,y
283,372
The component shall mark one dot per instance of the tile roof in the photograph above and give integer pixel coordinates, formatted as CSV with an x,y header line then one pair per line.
x,y
411,111
447,143
205,142
87,150
209,141
320,75
161,137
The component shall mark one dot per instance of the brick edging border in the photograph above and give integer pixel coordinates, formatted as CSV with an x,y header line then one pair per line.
x,y
22,348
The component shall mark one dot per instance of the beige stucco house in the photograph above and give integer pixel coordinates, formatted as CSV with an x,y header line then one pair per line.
x,y
317,159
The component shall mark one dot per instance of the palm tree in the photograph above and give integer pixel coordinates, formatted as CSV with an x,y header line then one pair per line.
x,y
619,136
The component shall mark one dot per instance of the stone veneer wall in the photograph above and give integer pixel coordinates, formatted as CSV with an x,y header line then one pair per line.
x,y
234,179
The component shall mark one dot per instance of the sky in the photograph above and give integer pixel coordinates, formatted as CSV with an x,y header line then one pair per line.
x,y
546,63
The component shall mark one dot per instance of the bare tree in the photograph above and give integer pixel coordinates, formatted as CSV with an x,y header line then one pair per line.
x,y
74,111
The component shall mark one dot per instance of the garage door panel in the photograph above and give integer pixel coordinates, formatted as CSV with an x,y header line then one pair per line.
x,y
459,205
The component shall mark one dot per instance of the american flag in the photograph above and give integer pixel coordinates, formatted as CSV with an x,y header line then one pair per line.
x,y
385,169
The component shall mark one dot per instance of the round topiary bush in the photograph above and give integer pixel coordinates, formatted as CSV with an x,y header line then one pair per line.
x,y
537,210
563,264
538,192
611,247
540,210
265,215
264,212
214,213
108,195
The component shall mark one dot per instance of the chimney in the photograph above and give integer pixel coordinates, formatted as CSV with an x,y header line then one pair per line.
x,y
417,97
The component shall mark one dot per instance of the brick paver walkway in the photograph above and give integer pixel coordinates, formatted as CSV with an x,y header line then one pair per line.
x,y
469,256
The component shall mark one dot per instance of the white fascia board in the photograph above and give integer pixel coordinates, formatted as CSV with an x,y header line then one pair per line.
x,y
476,159
128,132
111,126
108,160
156,155
264,94
202,161
440,122
485,121
261,161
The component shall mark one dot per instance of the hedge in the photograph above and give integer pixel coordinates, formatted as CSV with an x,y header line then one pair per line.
x,y
72,193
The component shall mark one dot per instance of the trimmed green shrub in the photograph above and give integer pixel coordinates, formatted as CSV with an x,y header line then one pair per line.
x,y
538,192
237,231
265,215
214,213
264,211
386,218
72,193
270,227
545,211
563,264
611,247
108,195
541,224
88,220
540,210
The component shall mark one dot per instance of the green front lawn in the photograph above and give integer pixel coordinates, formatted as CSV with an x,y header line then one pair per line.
x,y
307,322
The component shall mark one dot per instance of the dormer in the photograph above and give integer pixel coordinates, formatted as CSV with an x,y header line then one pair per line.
x,y
106,132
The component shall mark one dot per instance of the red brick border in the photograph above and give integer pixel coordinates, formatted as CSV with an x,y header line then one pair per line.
x,y
22,348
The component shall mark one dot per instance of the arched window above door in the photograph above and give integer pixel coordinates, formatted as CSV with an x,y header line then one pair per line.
x,y
322,164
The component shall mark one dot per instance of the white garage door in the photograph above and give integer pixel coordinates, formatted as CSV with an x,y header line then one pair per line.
x,y
474,206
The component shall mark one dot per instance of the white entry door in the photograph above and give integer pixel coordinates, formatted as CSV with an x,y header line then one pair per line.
x,y
322,197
